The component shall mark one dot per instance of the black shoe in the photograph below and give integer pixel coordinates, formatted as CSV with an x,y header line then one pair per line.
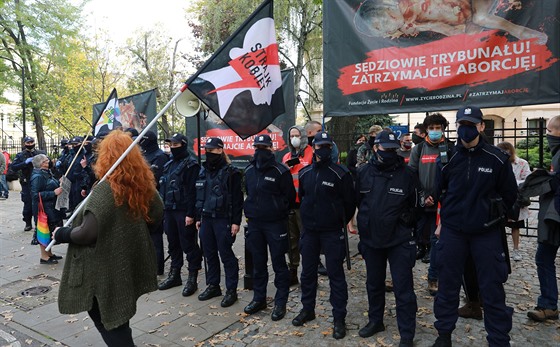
x,y
406,343
443,340
254,307
55,257
426,259
278,312
293,277
172,280
34,240
210,292
191,286
371,329
27,227
48,261
421,252
322,270
230,298
303,317
339,329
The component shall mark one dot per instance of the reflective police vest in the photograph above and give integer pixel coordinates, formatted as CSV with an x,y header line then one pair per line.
x,y
172,189
213,196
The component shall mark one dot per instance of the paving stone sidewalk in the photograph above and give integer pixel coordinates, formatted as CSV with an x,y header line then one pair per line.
x,y
29,311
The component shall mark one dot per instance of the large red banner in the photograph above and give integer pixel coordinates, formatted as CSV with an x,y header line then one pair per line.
x,y
425,55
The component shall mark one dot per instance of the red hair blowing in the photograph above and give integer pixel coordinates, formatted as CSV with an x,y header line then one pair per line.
x,y
132,181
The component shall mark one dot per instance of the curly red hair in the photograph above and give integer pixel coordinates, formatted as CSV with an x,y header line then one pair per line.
x,y
132,181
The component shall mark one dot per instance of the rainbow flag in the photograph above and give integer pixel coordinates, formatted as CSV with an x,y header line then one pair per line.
x,y
43,232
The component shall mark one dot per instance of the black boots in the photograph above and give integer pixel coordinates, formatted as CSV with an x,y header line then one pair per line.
x,y
339,329
230,298
293,277
191,286
172,280
210,292
371,329
303,317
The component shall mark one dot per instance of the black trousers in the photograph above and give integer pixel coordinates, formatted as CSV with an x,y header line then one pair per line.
x,y
118,337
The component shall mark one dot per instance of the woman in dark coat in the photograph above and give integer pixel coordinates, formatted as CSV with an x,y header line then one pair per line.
x,y
45,185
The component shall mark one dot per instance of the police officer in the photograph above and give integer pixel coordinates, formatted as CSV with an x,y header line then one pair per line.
x,y
59,169
75,171
478,184
219,202
326,190
389,203
178,192
270,196
22,163
87,175
156,159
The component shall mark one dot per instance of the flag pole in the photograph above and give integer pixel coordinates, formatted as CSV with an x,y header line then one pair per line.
x,y
121,158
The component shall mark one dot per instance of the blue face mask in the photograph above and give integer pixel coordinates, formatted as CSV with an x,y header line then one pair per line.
x,y
435,135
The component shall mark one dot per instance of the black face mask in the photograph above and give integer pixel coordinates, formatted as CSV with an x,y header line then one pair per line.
x,y
88,148
371,141
310,139
467,133
324,154
387,158
553,143
178,152
213,160
417,139
263,157
30,147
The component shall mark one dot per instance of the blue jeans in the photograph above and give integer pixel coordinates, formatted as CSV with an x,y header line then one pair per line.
x,y
4,186
546,270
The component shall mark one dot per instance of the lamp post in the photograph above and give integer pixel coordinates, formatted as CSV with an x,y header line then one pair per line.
x,y
22,89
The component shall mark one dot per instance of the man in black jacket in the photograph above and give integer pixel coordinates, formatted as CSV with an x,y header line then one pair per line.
x,y
22,163
270,196
178,192
328,203
389,202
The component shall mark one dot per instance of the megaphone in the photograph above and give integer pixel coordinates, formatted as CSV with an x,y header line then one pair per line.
x,y
187,104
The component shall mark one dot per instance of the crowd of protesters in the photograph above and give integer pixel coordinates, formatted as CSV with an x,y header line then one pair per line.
x,y
302,207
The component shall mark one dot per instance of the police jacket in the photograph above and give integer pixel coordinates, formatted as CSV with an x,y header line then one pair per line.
x,y
177,184
87,175
156,159
43,183
218,193
471,180
270,191
20,165
326,190
390,201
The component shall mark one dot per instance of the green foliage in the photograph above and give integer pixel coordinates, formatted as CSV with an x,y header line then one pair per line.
x,y
529,150
365,122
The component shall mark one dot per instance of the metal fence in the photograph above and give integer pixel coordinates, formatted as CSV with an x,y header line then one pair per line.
x,y
529,142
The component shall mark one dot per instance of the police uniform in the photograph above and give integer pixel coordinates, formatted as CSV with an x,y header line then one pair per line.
x,y
389,203
473,182
157,160
177,190
219,203
270,195
75,172
326,190
22,163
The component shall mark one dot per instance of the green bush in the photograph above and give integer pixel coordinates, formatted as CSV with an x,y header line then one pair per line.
x,y
532,154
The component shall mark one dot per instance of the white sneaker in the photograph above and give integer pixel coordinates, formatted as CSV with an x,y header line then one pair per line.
x,y
516,255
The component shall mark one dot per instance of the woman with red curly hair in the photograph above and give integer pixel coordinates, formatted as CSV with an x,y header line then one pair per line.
x,y
111,260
